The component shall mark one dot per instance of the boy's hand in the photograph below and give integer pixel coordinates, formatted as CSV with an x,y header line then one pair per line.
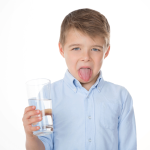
x,y
43,113
31,116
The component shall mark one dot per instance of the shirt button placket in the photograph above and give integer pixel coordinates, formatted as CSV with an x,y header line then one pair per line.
x,y
89,118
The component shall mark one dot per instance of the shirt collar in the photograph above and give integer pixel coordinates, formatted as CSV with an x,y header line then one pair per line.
x,y
73,83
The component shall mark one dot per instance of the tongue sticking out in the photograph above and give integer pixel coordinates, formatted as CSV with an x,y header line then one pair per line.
x,y
85,73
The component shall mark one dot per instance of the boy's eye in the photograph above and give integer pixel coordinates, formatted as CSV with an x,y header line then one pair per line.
x,y
75,48
78,47
96,48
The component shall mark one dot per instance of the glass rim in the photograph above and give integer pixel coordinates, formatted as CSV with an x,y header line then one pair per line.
x,y
28,82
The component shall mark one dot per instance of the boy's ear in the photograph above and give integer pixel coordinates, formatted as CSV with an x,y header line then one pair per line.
x,y
107,52
60,49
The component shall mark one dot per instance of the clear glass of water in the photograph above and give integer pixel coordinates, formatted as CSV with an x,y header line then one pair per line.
x,y
39,95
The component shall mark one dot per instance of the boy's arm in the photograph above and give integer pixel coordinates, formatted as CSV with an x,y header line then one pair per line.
x,y
127,126
33,143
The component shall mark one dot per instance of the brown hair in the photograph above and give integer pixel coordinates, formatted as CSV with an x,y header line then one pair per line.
x,y
87,21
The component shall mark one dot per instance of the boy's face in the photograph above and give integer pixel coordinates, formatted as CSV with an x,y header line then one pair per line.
x,y
84,54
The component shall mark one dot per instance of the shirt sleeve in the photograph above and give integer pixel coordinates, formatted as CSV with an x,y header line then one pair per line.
x,y
47,141
127,139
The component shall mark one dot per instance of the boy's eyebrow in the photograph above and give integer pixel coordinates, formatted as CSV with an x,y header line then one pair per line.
x,y
80,44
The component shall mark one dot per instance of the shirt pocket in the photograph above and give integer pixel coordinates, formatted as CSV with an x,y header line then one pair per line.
x,y
109,115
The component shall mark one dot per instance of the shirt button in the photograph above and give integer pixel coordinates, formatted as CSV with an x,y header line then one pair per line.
x,y
89,117
89,140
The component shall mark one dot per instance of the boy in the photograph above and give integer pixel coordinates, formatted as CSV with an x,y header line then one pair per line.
x,y
89,113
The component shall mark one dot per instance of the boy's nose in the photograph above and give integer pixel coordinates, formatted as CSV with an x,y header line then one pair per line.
x,y
86,56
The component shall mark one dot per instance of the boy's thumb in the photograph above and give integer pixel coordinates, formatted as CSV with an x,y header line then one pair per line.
x,y
46,112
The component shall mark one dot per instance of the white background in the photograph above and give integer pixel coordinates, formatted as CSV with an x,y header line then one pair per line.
x,y
29,35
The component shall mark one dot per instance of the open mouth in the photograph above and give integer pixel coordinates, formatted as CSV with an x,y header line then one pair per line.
x,y
85,73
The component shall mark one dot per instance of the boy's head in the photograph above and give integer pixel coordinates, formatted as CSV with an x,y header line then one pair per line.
x,y
89,29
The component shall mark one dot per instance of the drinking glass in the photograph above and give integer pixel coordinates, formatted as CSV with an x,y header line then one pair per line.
x,y
39,95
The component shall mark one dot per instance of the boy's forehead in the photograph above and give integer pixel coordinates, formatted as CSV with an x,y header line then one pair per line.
x,y
75,41
73,36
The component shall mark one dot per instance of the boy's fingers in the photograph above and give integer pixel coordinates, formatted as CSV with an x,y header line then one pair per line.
x,y
34,123
31,128
29,108
38,115
34,120
30,114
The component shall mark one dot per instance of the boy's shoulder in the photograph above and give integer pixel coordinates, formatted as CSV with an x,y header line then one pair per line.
x,y
112,85
57,83
115,90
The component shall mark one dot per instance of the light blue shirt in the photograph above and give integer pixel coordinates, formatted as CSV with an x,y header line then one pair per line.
x,y
99,119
